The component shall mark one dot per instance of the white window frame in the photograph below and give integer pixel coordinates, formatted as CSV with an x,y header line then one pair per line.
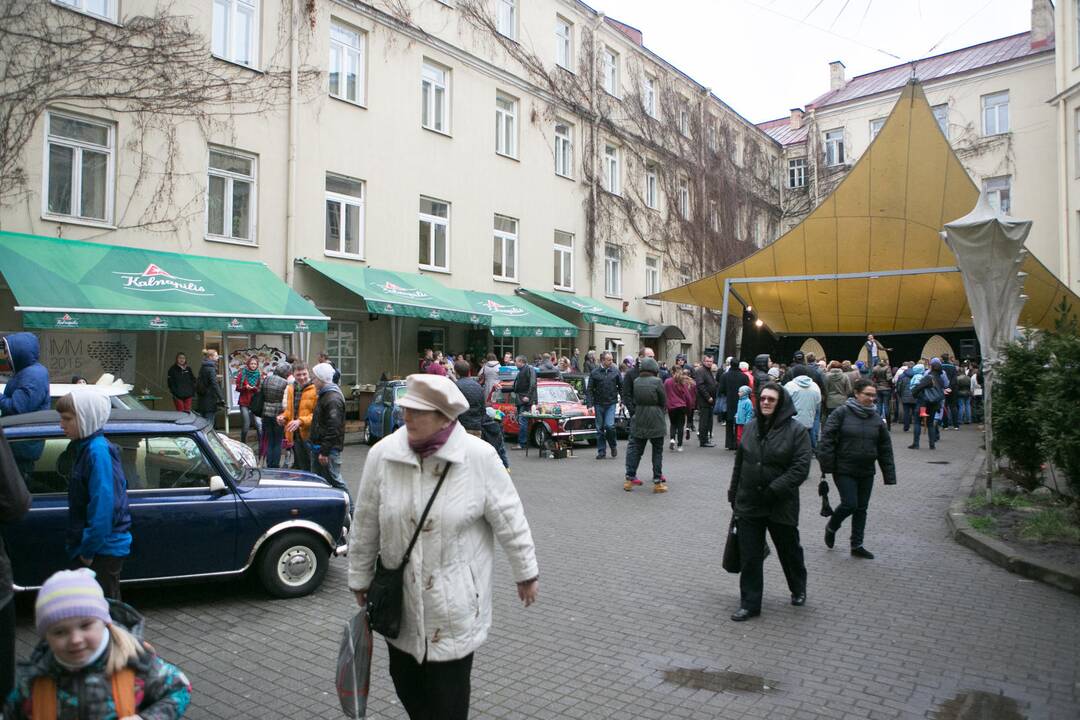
x,y
684,197
80,6
504,240
652,277
999,188
714,216
612,271
796,173
506,18
712,135
652,186
612,170
231,178
77,147
564,43
684,279
875,127
564,149
995,113
435,77
610,70
648,95
333,351
684,118
564,256
345,52
506,125
233,9
1076,139
941,114
834,147
344,202
433,221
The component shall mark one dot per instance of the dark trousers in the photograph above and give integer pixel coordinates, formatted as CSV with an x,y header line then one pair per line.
x,y
705,421
107,571
752,556
678,423
274,435
7,647
884,406
431,690
854,499
909,413
932,431
635,448
301,453
954,414
731,437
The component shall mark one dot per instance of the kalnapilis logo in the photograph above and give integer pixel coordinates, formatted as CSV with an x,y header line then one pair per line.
x,y
587,308
393,289
158,323
155,279
235,324
301,326
66,321
496,308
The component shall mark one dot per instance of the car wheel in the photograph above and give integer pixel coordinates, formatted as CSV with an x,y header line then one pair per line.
x,y
369,439
540,435
293,564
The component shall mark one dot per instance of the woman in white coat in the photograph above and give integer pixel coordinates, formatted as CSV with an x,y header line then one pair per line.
x,y
447,599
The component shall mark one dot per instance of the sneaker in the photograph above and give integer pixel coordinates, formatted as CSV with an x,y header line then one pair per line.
x,y
635,481
628,484
678,449
671,444
660,486
600,456
830,537
861,552
687,434
614,452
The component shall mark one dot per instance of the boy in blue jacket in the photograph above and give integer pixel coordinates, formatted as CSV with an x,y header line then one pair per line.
x,y
99,522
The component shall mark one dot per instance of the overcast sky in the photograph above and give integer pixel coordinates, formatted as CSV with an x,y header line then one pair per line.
x,y
764,57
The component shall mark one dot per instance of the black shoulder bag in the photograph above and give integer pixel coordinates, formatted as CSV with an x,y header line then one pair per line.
x,y
385,596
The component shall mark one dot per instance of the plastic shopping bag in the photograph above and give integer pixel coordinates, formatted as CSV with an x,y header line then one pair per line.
x,y
354,666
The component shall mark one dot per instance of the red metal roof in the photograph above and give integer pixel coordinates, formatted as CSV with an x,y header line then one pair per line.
x,y
781,131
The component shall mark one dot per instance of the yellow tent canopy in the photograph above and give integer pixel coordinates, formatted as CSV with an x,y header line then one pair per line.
x,y
870,258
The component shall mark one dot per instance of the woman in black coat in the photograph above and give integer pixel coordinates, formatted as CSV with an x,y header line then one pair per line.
x,y
207,389
730,382
771,463
855,437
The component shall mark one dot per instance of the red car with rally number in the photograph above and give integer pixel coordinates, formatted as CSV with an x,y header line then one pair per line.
x,y
571,419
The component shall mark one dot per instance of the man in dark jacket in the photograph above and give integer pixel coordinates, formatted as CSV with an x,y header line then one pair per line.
x,y
771,463
602,394
730,382
525,390
181,383
475,419
761,373
705,379
207,390
27,391
855,437
951,406
327,437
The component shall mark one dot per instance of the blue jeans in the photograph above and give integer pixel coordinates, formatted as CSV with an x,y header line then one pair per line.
x,y
523,427
883,406
274,435
909,414
963,407
605,427
933,432
815,430
331,473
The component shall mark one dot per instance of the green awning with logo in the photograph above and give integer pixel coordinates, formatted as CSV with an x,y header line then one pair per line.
x,y
68,284
513,316
402,294
592,310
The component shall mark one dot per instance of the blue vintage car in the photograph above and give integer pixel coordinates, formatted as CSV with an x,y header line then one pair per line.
x,y
196,510
384,415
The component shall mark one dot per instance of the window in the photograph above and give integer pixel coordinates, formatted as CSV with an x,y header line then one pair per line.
x,y
1076,120
834,147
236,30
995,110
612,271
564,42
506,243
684,198
506,18
564,260
346,63
611,169
163,462
737,151
104,9
941,114
564,149
610,67
759,231
875,127
714,216
342,346
344,216
652,186
434,234
796,173
79,160
684,119
652,278
506,125
434,93
502,345
230,196
430,337
999,192
648,95
685,280
712,135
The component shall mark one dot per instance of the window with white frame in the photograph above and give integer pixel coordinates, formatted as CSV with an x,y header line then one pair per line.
x,y
612,175
342,347
1076,137
434,97
684,197
737,150
79,158
684,118
796,173
652,186
610,69
648,95
230,196
346,62
712,136
714,216
434,234
612,271
504,259
759,231
834,147
875,127
506,125
104,9
684,279
564,43
344,216
941,114
999,193
236,31
652,277
995,113
506,18
564,260
564,149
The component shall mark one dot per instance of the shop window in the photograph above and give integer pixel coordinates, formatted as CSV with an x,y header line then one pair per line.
x,y
342,346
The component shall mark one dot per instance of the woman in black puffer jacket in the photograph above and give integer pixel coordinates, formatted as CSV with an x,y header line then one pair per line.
x,y
772,461
854,439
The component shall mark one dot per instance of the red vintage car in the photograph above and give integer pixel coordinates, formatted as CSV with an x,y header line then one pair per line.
x,y
574,421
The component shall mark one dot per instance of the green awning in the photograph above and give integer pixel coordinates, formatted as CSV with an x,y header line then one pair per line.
x,y
592,310
67,284
402,294
513,316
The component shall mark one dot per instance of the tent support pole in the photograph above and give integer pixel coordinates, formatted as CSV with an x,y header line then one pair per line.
x,y
723,324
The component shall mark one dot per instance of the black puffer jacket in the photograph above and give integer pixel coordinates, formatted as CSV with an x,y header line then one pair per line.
x,y
769,469
207,390
761,372
181,382
850,445
603,387
328,420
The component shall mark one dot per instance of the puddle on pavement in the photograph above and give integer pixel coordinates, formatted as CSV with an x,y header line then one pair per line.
x,y
937,462
978,705
718,680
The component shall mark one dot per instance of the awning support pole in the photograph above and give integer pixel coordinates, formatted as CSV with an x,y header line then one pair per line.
x,y
723,324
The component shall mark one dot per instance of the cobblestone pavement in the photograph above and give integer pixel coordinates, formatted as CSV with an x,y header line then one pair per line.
x,y
631,588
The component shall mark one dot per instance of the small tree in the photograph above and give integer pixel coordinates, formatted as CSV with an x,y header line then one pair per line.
x,y
1017,424
1058,410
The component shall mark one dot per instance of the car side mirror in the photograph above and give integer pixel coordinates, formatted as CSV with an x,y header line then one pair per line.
x,y
217,485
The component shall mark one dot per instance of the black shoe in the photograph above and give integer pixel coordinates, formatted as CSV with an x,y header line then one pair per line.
x,y
861,552
913,446
614,452
600,456
799,600
932,446
830,537
708,444
742,614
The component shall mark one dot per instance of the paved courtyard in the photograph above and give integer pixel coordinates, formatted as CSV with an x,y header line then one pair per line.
x,y
632,620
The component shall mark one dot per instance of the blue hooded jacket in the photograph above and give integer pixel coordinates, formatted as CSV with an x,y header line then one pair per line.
x,y
27,390
99,521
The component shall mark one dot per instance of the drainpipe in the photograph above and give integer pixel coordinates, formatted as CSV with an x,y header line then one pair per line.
x,y
1065,215
290,191
593,129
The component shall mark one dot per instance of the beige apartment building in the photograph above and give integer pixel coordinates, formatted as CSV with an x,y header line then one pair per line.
x,y
1066,106
530,150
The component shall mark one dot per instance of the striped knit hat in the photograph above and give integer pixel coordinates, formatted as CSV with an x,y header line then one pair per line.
x,y
70,594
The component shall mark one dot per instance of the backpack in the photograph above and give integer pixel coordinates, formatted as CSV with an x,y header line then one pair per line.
x,y
43,705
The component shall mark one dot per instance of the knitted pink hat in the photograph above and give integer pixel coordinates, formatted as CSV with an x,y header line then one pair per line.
x,y
70,594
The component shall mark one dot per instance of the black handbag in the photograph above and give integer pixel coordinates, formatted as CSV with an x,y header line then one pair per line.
x,y
731,560
385,596
823,491
255,405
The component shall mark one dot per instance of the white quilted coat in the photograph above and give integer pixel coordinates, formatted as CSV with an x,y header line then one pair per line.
x,y
448,584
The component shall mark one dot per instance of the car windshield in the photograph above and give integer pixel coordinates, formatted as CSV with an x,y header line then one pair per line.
x,y
399,392
556,394
234,467
129,402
